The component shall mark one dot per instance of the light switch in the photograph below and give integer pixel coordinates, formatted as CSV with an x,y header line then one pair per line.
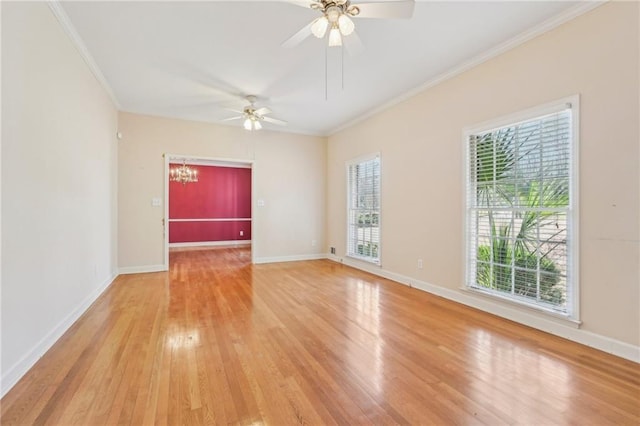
x,y
156,202
261,203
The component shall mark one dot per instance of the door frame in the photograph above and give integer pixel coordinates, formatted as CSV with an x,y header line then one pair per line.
x,y
204,161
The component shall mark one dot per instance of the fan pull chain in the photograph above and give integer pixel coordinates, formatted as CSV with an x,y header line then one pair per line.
x,y
342,62
326,72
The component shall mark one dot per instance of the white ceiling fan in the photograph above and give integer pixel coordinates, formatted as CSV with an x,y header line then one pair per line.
x,y
253,116
337,14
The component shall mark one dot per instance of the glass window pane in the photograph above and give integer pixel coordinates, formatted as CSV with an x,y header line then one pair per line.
x,y
519,197
364,201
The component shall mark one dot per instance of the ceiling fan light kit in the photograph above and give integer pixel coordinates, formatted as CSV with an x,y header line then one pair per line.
x,y
335,39
252,123
335,15
319,26
346,25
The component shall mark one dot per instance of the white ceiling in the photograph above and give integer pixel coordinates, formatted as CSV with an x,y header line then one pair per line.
x,y
191,60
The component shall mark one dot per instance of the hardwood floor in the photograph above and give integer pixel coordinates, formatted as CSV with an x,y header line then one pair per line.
x,y
220,341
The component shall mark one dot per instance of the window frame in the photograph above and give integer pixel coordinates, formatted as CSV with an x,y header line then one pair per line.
x,y
572,271
348,164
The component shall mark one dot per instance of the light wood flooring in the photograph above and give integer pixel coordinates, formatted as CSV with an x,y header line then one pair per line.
x,y
220,341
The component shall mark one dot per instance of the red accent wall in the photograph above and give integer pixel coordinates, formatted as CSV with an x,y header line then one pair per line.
x,y
220,193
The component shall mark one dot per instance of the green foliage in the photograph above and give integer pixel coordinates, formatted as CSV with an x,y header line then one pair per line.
x,y
513,252
368,249
499,169
525,265
368,219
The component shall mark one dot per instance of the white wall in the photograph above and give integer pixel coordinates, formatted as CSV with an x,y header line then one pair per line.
x,y
59,180
420,141
288,174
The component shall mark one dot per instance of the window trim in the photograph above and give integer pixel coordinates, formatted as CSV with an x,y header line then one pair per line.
x,y
348,163
573,227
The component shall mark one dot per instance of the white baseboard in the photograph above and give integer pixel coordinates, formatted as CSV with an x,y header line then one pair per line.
x,y
212,243
141,269
558,327
20,368
294,258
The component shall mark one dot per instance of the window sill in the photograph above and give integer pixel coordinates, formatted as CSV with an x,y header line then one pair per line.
x,y
365,260
558,316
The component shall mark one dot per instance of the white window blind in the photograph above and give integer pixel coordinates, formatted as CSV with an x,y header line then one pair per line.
x,y
363,216
519,211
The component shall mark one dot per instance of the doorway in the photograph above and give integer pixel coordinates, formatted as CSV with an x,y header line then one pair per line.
x,y
214,211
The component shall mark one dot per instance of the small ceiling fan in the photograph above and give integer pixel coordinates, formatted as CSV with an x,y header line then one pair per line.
x,y
253,116
337,14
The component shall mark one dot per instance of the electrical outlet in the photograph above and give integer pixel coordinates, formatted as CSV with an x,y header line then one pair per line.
x,y
314,243
420,264
333,250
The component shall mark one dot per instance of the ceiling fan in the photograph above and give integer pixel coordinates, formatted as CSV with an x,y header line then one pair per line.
x,y
253,116
337,14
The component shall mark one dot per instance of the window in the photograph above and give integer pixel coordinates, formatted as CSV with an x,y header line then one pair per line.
x,y
363,216
520,196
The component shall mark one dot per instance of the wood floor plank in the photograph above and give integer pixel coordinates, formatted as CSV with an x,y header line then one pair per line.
x,y
217,341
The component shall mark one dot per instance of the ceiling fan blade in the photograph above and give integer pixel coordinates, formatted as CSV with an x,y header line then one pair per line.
x,y
232,118
263,111
274,121
305,3
299,37
353,44
234,110
398,9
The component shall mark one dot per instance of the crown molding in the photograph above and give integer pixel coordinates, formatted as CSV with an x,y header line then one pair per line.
x,y
71,32
543,27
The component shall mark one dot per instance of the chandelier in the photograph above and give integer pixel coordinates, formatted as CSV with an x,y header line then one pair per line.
x,y
183,174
